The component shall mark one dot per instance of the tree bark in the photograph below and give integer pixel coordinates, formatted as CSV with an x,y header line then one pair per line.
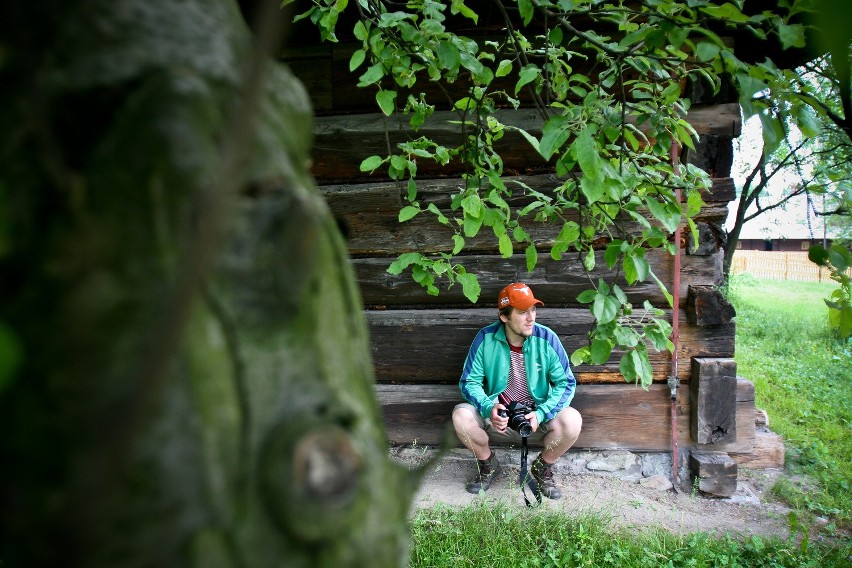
x,y
193,378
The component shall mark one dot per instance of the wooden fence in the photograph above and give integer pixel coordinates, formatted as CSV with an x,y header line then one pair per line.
x,y
779,266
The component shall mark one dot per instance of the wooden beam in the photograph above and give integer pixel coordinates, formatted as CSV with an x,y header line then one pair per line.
x,y
715,473
429,346
343,141
614,416
558,281
705,305
713,392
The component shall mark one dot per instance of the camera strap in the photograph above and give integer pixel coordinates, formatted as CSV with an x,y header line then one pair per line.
x,y
525,479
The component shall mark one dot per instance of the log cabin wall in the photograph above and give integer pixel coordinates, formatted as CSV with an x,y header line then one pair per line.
x,y
419,342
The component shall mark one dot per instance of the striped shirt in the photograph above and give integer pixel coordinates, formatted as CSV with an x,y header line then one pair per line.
x,y
517,389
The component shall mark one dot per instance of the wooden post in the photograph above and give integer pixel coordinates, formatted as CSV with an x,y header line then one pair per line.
x,y
713,392
714,473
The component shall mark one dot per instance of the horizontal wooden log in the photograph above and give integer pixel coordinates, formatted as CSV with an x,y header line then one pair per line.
x,y
557,282
768,452
429,346
368,217
614,416
341,142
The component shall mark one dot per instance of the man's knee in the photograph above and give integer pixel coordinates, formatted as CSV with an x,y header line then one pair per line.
x,y
464,418
569,421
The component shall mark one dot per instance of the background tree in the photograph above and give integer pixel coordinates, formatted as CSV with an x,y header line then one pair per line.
x,y
804,141
186,378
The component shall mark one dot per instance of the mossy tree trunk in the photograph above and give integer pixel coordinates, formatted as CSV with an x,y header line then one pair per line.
x,y
187,378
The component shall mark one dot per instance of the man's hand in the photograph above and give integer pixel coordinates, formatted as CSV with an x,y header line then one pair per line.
x,y
499,422
533,418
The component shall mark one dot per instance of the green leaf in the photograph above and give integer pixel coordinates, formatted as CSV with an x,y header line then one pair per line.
x,y
627,366
458,7
553,136
662,287
589,261
593,190
370,164
458,244
403,261
471,225
408,212
791,35
600,351
725,12
580,356
449,56
587,296
611,253
626,336
360,30
525,7
749,86
567,236
818,255
374,74
665,213
505,244
387,101
605,308
470,286
532,257
528,74
357,58
504,68
839,257
529,137
586,151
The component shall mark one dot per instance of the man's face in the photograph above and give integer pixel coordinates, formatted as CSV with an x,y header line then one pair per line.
x,y
520,323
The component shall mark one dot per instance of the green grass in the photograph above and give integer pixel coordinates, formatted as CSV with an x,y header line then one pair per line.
x,y
498,535
803,379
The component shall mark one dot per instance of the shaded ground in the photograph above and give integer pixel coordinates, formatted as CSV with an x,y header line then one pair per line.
x,y
628,504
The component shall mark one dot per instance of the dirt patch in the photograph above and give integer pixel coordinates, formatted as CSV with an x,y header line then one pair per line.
x,y
625,503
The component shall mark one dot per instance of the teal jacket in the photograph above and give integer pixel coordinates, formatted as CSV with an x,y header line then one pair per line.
x,y
486,370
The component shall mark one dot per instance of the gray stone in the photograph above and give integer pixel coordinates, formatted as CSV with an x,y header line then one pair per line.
x,y
656,482
615,461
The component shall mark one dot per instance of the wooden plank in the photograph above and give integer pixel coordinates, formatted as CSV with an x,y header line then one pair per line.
x,y
614,417
556,282
429,346
343,141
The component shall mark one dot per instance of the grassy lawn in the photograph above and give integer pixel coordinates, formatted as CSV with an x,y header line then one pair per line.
x,y
502,536
803,379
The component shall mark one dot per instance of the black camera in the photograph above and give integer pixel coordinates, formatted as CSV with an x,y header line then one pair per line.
x,y
517,417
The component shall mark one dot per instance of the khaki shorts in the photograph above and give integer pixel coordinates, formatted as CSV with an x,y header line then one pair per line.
x,y
509,434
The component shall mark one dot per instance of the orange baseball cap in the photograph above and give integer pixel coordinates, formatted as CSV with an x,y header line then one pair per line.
x,y
518,295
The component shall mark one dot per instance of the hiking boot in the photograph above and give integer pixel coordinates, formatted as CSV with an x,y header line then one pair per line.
x,y
487,470
542,472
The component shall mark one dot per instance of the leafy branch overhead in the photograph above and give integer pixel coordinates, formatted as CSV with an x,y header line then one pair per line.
x,y
605,78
